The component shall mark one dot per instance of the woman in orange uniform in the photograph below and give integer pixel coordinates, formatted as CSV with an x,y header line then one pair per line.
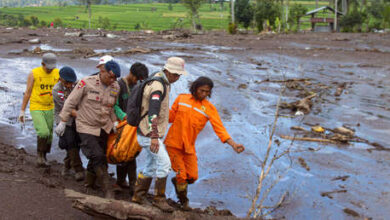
x,y
188,115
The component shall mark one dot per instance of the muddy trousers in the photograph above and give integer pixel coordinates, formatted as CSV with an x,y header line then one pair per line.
x,y
185,165
43,124
94,148
127,169
70,142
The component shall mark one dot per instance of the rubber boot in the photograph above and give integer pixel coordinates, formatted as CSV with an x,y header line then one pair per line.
x,y
76,164
41,147
90,180
142,186
66,169
159,195
181,192
121,172
103,178
46,150
132,174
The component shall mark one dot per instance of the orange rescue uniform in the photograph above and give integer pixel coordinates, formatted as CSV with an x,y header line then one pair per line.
x,y
188,117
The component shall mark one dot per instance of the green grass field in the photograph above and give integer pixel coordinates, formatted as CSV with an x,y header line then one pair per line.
x,y
155,16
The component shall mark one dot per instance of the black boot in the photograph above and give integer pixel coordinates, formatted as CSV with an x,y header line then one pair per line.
x,y
181,192
41,149
132,174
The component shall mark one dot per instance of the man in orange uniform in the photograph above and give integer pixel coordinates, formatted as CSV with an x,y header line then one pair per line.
x,y
188,115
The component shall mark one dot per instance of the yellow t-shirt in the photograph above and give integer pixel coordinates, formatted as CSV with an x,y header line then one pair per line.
x,y
41,95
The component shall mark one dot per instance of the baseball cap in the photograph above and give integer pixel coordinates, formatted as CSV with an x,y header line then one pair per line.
x,y
175,65
68,74
114,67
50,60
104,59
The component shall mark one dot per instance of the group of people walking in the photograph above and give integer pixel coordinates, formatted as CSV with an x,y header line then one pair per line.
x,y
87,111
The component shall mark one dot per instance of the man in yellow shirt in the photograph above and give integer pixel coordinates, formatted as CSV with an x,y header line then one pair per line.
x,y
40,83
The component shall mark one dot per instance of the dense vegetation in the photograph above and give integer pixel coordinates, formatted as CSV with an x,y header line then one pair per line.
x,y
360,15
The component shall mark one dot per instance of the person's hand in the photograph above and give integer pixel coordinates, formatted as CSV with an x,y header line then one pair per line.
x,y
114,129
60,129
21,116
238,148
154,145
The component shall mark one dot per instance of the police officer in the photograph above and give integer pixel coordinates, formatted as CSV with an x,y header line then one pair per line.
x,y
94,98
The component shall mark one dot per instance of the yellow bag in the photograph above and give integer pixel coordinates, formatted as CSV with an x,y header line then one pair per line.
x,y
123,146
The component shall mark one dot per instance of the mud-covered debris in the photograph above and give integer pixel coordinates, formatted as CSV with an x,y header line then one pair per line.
x,y
83,50
6,170
304,105
340,89
298,128
345,131
340,138
34,41
74,34
342,178
293,85
242,86
329,194
303,163
111,36
351,212
341,39
148,31
318,129
37,50
169,37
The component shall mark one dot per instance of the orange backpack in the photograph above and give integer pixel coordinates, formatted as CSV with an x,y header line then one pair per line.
x,y
123,146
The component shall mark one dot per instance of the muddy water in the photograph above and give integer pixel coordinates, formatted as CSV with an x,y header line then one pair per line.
x,y
227,180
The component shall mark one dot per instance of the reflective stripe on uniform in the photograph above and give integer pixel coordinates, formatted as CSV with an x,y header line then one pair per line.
x,y
196,109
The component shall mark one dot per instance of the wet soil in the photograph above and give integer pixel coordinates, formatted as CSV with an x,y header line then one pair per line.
x,y
340,181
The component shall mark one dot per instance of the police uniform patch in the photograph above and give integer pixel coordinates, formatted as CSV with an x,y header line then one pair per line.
x,y
81,84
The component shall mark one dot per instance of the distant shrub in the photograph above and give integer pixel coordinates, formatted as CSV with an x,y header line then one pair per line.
x,y
137,26
232,28
57,22
352,21
34,20
104,22
25,23
266,10
43,23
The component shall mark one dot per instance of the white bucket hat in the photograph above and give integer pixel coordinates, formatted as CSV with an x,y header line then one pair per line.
x,y
175,65
104,60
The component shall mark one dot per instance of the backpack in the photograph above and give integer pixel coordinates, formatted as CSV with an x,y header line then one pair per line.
x,y
134,103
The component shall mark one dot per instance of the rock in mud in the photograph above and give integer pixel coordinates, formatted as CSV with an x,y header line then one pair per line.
x,y
35,41
351,212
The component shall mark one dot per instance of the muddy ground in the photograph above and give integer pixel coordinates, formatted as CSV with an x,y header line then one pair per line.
x,y
26,189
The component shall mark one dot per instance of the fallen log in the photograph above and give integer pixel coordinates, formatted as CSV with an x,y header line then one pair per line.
x,y
308,139
119,209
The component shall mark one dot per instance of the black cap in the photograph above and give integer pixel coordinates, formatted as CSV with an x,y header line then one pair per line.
x,y
68,74
114,67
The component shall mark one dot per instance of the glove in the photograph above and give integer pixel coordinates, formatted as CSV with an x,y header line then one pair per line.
x,y
60,129
21,116
114,129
